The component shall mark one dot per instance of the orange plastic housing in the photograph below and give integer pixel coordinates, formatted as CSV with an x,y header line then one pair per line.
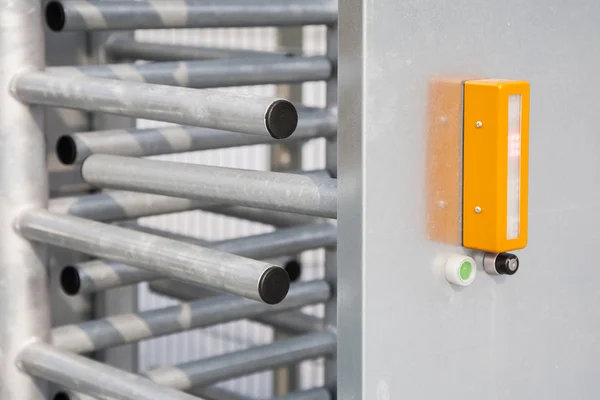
x,y
486,166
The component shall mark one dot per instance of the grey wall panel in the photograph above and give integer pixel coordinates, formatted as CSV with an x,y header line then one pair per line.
x,y
404,331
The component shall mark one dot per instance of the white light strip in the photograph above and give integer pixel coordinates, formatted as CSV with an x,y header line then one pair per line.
x,y
513,204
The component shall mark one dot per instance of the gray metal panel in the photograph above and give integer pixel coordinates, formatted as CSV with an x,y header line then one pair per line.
x,y
404,331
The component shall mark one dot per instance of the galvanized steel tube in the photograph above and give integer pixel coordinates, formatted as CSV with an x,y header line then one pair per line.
x,y
260,358
118,205
24,300
217,393
119,47
198,107
113,331
210,74
220,271
74,148
91,377
310,394
268,190
93,15
290,322
98,275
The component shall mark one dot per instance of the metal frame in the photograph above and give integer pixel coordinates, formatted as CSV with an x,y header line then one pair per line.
x,y
31,353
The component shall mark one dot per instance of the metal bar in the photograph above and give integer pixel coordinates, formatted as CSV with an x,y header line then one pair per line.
x,y
91,377
260,189
311,394
125,299
287,156
93,15
99,275
119,205
215,369
24,298
124,48
331,162
217,393
212,73
76,147
221,271
89,336
197,107
332,98
291,322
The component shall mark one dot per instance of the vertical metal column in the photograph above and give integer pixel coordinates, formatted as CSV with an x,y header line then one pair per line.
x,y
24,301
287,156
331,165
124,299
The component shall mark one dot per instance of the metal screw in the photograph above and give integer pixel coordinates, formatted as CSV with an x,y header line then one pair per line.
x,y
479,124
513,264
477,209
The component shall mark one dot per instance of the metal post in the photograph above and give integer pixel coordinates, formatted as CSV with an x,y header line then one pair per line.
x,y
289,322
288,156
91,377
24,299
123,48
221,271
260,189
331,164
239,363
76,147
212,73
199,107
68,15
99,275
90,336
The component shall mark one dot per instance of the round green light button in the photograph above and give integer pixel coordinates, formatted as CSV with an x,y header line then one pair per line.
x,y
460,269
465,270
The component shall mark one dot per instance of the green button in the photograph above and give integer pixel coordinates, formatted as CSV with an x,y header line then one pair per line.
x,y
465,270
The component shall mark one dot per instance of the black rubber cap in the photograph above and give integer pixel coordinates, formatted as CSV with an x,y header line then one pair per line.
x,y
61,396
70,281
55,16
274,285
66,150
507,264
281,119
293,269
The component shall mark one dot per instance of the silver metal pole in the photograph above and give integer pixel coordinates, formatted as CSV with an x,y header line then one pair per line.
x,y
76,147
91,377
260,358
24,299
99,275
123,48
331,162
212,73
260,189
311,394
116,330
198,107
220,271
290,322
89,15
217,393
118,205
286,156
